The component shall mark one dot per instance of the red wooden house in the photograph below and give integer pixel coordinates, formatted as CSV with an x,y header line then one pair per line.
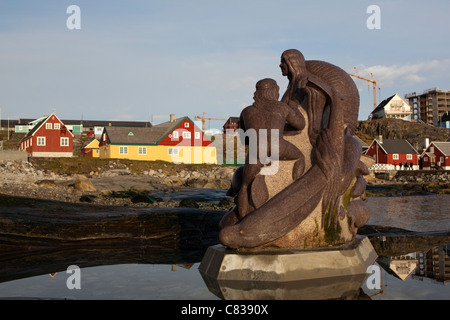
x,y
436,156
393,154
49,138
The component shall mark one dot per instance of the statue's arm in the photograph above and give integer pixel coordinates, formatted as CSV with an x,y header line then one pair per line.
x,y
295,118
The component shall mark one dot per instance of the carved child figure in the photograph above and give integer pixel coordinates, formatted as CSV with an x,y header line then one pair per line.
x,y
264,116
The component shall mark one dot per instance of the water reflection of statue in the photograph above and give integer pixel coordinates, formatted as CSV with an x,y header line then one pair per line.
x,y
332,182
268,117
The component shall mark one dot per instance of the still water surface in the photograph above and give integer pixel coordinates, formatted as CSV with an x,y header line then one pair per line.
x,y
416,213
184,281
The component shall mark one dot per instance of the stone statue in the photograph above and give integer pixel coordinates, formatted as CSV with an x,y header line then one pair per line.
x,y
316,198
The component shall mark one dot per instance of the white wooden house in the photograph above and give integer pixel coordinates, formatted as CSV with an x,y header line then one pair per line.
x,y
393,107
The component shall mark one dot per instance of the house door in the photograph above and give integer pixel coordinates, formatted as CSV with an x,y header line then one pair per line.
x,y
433,163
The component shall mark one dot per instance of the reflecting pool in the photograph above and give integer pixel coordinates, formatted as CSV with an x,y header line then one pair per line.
x,y
139,273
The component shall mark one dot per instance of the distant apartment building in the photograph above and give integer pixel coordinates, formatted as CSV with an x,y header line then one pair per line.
x,y
434,264
445,121
429,106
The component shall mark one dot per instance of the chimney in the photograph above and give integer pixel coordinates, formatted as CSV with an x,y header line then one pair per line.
x,y
426,143
172,117
380,139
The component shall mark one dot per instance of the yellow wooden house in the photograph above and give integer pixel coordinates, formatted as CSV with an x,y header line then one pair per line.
x,y
178,141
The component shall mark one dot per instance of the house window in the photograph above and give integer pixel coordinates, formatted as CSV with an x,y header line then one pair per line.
x,y
186,124
173,151
48,126
57,126
395,156
64,142
142,150
41,141
441,160
409,157
175,135
432,149
186,135
123,150
197,135
425,159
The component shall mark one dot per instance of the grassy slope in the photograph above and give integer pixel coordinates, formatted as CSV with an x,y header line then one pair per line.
x,y
414,132
86,165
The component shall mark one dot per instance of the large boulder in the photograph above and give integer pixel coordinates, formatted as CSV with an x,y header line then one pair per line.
x,y
83,183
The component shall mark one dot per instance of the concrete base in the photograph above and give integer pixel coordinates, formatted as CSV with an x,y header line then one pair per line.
x,y
324,273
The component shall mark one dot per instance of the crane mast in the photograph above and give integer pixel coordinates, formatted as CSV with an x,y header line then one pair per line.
x,y
374,84
203,118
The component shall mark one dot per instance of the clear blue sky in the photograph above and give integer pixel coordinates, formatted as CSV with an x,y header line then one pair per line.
x,y
133,60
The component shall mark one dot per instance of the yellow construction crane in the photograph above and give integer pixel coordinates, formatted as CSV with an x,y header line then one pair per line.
x,y
203,118
374,85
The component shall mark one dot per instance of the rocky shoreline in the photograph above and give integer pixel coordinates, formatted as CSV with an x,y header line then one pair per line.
x,y
118,185
407,182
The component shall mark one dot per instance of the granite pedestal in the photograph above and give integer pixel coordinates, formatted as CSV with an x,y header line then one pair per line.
x,y
321,273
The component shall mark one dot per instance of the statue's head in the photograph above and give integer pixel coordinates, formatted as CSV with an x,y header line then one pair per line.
x,y
293,63
266,89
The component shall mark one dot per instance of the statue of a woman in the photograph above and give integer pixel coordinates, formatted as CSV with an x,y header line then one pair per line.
x,y
331,100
